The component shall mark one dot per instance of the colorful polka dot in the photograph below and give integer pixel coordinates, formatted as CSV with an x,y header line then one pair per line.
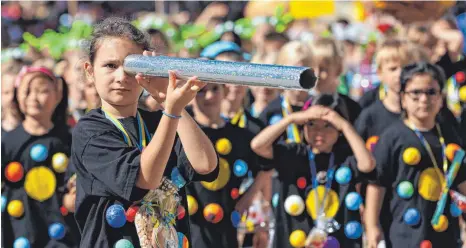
x,y
301,182
451,150
331,204
343,175
183,241
181,212
223,146
123,243
298,238
240,168
14,172
21,242
405,189
332,242
426,244
213,213
116,216
442,224
59,162
4,203
235,218
177,178
57,231
234,193
430,184
63,211
192,205
40,183
353,230
294,205
412,217
462,93
39,153
222,178
131,213
455,211
275,199
15,208
411,156
371,142
353,200
460,77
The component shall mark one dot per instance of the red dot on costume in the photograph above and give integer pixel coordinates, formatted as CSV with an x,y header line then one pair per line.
x,y
63,211
301,182
460,77
253,215
131,213
234,193
426,244
181,212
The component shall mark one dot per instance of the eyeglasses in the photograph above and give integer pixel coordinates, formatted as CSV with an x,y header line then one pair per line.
x,y
416,94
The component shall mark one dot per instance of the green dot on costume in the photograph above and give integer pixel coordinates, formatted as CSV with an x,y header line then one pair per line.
x,y
115,216
343,175
455,210
405,189
240,168
332,242
4,201
21,242
275,199
182,241
353,230
353,200
123,243
39,153
57,231
177,178
235,218
275,119
412,217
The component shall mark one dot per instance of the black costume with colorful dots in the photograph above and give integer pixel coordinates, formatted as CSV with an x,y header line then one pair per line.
x,y
413,187
33,181
107,170
294,173
211,224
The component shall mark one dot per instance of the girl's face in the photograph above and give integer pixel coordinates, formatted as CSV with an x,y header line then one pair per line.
x,y
208,100
320,135
38,96
8,90
422,98
113,84
263,94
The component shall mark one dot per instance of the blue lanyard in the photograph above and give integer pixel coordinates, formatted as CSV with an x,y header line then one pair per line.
x,y
315,183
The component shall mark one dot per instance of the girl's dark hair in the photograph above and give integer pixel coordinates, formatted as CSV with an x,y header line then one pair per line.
x,y
116,27
332,101
60,115
414,69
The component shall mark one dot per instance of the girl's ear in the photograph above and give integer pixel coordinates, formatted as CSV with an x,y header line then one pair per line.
x,y
89,71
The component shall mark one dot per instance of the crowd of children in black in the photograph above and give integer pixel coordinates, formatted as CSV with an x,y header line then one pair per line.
x,y
326,171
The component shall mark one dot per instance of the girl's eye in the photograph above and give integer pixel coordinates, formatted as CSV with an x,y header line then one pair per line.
x,y
111,66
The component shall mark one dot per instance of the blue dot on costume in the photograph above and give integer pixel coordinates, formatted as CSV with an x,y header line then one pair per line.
x,y
275,119
115,216
3,203
455,210
353,200
56,231
123,243
405,189
240,168
39,153
21,242
412,217
235,218
177,178
275,200
343,175
353,230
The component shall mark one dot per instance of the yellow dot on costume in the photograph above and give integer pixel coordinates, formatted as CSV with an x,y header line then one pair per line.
x,y
462,93
411,156
40,183
222,178
430,184
59,162
250,225
294,205
223,146
442,224
15,208
298,238
450,150
192,205
456,109
331,205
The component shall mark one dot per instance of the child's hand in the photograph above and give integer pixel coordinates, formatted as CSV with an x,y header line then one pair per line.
x,y
373,236
312,113
69,200
335,119
180,93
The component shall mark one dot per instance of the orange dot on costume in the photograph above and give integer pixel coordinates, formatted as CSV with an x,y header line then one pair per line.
x,y
60,162
425,244
298,238
183,241
234,193
15,208
223,146
442,224
451,150
192,205
301,182
371,142
181,212
462,93
14,172
411,156
213,213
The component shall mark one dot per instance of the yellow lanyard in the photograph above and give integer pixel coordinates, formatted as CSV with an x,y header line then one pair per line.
x,y
292,129
239,119
143,131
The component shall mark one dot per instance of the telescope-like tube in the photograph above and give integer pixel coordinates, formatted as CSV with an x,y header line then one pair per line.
x,y
214,71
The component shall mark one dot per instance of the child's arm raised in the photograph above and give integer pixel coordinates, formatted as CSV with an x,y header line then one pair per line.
x,y
366,162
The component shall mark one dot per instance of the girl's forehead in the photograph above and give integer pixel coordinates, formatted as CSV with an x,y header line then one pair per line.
x,y
422,80
114,48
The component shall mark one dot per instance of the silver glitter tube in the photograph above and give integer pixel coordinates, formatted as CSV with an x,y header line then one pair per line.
x,y
223,72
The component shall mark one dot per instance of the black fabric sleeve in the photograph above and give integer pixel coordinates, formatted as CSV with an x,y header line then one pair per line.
x,y
385,158
362,124
112,162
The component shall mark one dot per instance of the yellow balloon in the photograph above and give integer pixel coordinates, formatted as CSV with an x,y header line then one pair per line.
x,y
222,178
15,208
331,205
298,238
462,93
59,162
223,146
430,184
442,224
40,183
411,156
192,205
